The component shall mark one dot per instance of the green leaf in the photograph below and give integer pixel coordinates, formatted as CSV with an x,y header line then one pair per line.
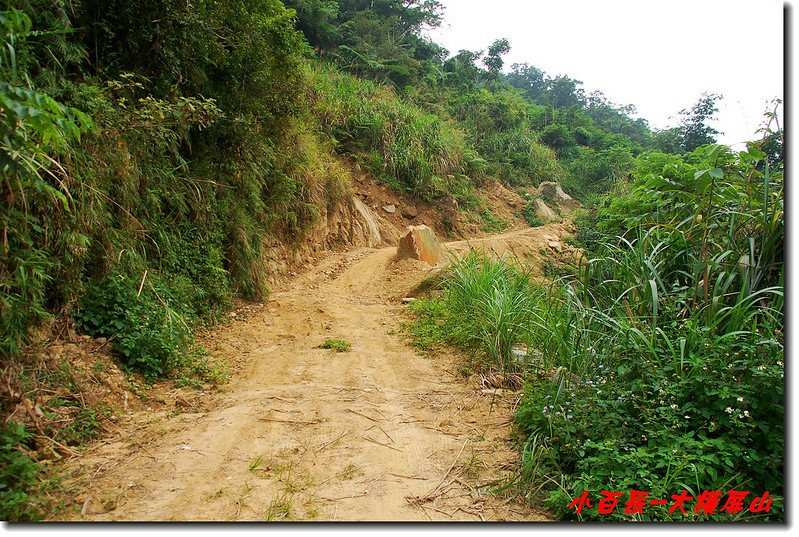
x,y
716,173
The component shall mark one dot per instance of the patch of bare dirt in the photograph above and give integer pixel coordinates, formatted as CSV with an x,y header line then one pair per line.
x,y
65,390
396,210
536,248
504,203
304,433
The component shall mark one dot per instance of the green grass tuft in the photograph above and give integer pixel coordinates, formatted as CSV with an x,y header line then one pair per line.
x,y
338,345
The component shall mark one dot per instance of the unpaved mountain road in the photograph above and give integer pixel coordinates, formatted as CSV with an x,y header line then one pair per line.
x,y
380,433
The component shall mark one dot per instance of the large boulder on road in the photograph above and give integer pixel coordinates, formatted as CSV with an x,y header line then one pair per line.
x,y
420,242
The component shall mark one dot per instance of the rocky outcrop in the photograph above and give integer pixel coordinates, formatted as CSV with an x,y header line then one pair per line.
x,y
421,243
544,213
364,228
554,193
345,222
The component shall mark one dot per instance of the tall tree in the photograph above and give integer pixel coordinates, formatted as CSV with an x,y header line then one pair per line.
x,y
493,59
379,39
317,19
565,91
694,124
531,80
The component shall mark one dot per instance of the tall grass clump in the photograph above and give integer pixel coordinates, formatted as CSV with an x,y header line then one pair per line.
x,y
673,339
398,142
485,306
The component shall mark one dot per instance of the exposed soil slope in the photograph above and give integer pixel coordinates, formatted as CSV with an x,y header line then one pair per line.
x,y
378,433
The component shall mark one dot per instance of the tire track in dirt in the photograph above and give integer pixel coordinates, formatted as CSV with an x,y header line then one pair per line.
x,y
303,433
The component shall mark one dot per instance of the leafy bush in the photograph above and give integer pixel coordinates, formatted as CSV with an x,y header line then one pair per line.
x,y
593,171
662,359
18,473
151,332
86,425
490,223
671,346
529,214
557,136
34,129
500,123
194,265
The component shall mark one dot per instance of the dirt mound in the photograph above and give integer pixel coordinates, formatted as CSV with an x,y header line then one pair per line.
x,y
503,202
535,247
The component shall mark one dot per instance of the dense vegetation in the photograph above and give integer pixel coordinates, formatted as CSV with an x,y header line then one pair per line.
x,y
150,150
147,162
658,364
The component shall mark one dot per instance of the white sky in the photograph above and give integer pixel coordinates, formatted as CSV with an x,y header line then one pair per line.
x,y
659,56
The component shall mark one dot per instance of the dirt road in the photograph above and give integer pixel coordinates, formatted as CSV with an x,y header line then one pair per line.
x,y
302,433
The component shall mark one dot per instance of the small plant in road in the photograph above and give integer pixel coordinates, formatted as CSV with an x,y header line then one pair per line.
x,y
338,345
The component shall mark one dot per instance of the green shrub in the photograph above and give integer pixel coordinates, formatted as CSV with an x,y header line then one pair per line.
x,y
491,224
194,267
198,371
557,136
34,129
662,358
18,474
499,123
592,171
644,426
589,236
529,215
671,348
150,332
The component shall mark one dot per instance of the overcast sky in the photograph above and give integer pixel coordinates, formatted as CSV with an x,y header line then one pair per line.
x,y
659,56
